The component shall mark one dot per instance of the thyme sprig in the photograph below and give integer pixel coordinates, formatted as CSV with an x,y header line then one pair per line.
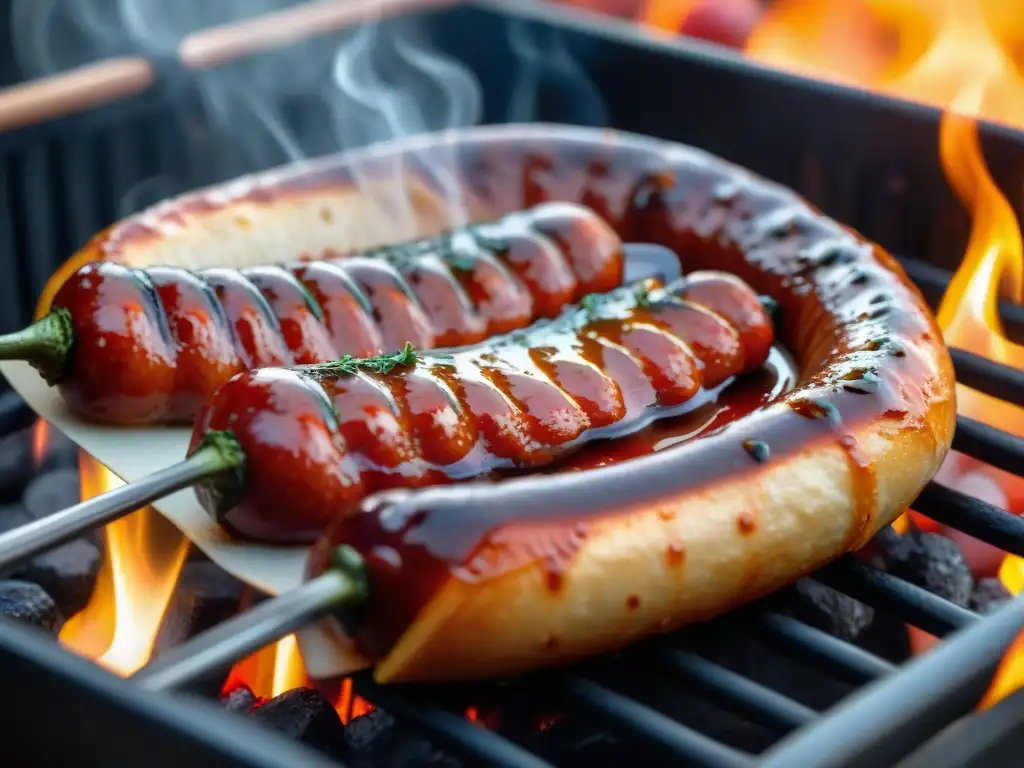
x,y
377,364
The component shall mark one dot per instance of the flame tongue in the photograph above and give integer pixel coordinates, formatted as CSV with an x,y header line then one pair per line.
x,y
145,554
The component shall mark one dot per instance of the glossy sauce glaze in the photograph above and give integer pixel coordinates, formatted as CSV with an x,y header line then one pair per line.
x,y
319,439
151,346
859,332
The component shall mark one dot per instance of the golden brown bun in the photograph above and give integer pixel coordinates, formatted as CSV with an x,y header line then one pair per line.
x,y
672,538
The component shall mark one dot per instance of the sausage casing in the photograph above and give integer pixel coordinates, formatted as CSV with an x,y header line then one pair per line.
x,y
319,439
151,345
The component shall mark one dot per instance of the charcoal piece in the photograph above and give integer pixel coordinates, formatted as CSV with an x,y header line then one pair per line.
x,y
13,516
989,595
28,603
929,560
376,739
16,464
67,573
306,716
826,609
51,492
239,699
205,596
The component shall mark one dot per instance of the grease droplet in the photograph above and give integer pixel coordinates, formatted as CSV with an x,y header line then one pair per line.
x,y
759,451
746,523
633,602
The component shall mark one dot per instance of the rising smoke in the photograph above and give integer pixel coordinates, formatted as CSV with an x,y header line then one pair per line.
x,y
376,82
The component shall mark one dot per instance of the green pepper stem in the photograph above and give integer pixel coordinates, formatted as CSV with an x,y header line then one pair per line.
x,y
344,585
45,345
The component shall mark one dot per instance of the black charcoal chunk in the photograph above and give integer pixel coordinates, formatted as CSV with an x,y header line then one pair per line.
x,y
13,516
239,699
16,464
376,739
306,716
930,561
67,573
989,595
51,492
826,609
27,602
205,596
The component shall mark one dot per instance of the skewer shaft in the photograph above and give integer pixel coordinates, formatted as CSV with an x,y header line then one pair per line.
x,y
38,536
250,631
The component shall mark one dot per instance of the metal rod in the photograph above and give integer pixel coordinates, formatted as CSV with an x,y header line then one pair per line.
x,y
813,646
681,741
885,720
988,376
250,631
988,444
93,85
975,517
40,535
740,694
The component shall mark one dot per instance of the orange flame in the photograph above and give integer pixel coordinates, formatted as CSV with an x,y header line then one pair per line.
x,y
956,54
40,440
118,627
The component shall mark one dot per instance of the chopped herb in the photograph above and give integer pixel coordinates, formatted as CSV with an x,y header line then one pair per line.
x,y
643,295
461,262
379,364
591,302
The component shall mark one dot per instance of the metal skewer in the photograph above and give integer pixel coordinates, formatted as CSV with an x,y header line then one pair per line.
x,y
219,453
343,585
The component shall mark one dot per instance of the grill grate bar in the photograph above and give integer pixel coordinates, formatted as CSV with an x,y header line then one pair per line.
x,y
988,444
639,719
915,605
830,654
452,729
992,378
973,516
886,720
743,696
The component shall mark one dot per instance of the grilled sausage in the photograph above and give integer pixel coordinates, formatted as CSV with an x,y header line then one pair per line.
x,y
319,439
613,554
150,346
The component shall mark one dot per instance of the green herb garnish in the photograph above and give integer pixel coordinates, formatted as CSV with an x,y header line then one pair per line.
x,y
643,295
461,262
591,302
378,364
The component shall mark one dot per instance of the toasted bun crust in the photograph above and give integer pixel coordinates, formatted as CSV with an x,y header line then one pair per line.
x,y
677,536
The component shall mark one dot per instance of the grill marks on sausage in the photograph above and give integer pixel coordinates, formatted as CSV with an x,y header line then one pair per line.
x,y
514,402
452,290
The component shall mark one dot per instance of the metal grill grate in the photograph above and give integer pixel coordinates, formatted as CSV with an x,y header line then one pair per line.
x,y
61,182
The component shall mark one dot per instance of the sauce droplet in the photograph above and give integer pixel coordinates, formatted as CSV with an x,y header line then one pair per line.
x,y
675,553
633,602
759,451
746,523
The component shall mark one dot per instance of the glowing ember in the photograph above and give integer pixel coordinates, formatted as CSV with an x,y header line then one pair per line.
x,y
144,558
